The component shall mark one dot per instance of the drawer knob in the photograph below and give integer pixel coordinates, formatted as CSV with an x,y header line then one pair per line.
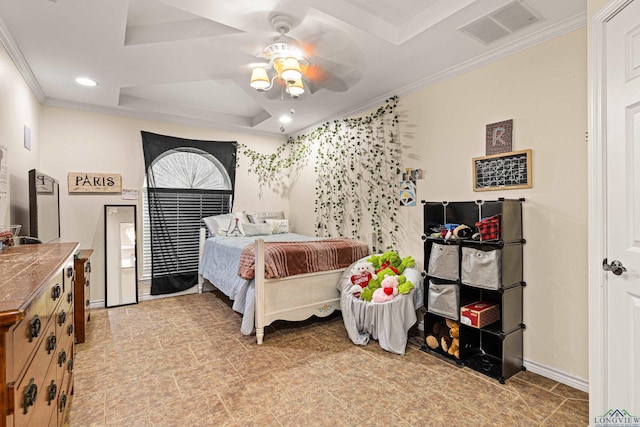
x,y
62,357
51,343
63,401
70,297
34,328
55,292
52,391
70,329
69,271
62,318
87,303
89,264
70,366
30,395
86,283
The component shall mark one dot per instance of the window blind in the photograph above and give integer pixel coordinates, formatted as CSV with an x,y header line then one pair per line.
x,y
177,219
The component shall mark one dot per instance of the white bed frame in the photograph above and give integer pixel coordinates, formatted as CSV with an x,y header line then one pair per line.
x,y
293,298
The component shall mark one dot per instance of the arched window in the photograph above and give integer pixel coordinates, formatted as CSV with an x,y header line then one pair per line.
x,y
189,168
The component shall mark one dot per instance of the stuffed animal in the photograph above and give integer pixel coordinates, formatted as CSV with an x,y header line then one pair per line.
x,y
440,332
388,264
361,273
454,333
392,261
387,291
404,286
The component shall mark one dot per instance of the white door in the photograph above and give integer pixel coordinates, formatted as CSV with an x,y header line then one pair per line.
x,y
616,296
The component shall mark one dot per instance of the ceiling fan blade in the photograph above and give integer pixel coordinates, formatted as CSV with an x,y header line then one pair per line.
x,y
331,75
323,41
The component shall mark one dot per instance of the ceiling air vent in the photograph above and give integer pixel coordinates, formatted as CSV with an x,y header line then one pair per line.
x,y
508,19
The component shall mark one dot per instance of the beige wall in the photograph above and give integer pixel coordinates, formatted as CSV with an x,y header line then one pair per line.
x,y
18,107
77,141
543,90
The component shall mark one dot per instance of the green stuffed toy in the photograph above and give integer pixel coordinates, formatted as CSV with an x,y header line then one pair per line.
x,y
391,260
388,264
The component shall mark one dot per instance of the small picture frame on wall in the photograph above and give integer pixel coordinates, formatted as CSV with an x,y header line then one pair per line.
x,y
499,137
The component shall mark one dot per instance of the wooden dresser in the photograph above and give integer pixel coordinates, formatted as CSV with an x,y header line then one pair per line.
x,y
82,292
36,328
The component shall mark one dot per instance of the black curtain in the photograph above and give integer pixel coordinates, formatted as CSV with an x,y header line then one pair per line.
x,y
175,214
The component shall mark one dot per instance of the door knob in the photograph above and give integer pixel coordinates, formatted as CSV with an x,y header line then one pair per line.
x,y
615,267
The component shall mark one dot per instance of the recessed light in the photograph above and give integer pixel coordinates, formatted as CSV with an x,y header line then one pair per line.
x,y
285,119
85,81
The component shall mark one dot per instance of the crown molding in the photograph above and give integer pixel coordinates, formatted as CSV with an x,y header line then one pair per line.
x,y
19,60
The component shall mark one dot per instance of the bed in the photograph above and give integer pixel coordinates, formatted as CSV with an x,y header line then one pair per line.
x,y
262,300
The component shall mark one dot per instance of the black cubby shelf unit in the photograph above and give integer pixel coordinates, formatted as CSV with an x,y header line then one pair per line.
x,y
496,348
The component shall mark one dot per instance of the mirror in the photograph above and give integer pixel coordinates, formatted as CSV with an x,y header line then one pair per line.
x,y
121,269
44,207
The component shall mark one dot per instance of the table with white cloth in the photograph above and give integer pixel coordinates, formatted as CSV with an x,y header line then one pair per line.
x,y
387,322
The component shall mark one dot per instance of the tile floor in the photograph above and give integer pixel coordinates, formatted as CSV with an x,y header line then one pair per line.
x,y
182,361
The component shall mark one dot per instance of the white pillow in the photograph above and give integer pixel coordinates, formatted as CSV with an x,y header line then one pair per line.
x,y
228,227
260,217
221,225
212,222
256,229
278,226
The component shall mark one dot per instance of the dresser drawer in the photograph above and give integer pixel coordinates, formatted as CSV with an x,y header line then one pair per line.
x,y
29,331
55,292
31,398
69,276
64,353
27,334
64,393
63,318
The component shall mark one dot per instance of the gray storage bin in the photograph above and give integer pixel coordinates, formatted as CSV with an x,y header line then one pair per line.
x,y
443,262
481,269
488,267
443,300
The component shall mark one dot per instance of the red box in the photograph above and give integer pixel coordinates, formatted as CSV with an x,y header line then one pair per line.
x,y
479,314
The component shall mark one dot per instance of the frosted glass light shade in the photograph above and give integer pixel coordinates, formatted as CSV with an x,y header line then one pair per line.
x,y
291,70
296,88
259,79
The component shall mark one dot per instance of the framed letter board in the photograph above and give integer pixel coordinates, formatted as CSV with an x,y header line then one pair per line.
x,y
504,171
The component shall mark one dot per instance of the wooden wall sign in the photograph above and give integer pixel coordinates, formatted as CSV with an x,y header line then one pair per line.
x,y
82,182
506,171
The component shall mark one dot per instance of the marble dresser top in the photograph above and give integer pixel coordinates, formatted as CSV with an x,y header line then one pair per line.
x,y
23,269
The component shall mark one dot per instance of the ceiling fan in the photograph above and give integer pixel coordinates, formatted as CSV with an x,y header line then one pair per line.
x,y
286,64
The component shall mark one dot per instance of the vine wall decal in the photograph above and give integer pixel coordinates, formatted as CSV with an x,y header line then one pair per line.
x,y
357,167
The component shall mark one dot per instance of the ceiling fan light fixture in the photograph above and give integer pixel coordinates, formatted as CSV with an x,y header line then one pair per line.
x,y
259,79
291,70
296,88
278,65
